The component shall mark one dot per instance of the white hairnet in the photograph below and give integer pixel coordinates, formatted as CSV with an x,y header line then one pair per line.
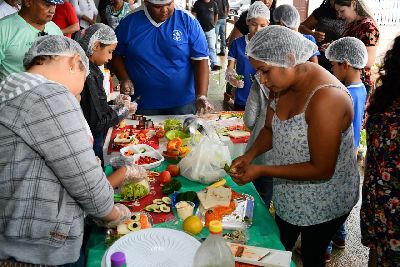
x,y
280,47
55,45
96,32
159,2
258,10
287,15
348,49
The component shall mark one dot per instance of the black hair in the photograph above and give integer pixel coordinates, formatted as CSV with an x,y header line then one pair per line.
x,y
388,90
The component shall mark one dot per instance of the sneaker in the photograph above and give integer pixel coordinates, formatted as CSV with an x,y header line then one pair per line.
x,y
339,243
222,53
328,257
215,67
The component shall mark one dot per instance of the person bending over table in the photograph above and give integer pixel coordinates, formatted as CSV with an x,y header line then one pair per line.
x,y
162,60
49,176
309,127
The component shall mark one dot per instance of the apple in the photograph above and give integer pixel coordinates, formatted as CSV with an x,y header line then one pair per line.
x,y
173,170
165,177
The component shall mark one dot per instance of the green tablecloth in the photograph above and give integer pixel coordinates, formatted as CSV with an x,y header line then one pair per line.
x,y
262,233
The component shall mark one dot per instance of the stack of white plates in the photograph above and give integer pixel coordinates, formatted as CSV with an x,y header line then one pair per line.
x,y
155,247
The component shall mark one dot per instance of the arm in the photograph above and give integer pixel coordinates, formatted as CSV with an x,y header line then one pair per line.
x,y
235,33
62,140
308,26
117,177
201,76
117,63
71,29
371,50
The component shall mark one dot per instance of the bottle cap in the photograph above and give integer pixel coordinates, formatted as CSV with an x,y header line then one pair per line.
x,y
118,259
215,227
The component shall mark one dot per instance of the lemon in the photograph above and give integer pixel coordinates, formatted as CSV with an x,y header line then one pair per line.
x,y
192,225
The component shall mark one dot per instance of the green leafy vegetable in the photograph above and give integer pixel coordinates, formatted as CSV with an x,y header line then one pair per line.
x,y
172,124
173,186
133,191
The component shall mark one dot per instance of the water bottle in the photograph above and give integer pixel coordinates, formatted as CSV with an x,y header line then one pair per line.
x,y
118,259
214,252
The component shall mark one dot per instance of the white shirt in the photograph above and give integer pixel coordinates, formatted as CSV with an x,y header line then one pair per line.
x,y
6,9
88,8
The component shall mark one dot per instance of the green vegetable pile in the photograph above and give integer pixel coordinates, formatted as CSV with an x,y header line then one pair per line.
x,y
173,186
133,191
172,124
239,77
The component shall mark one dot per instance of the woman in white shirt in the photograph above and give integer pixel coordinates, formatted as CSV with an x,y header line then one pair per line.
x,y
88,13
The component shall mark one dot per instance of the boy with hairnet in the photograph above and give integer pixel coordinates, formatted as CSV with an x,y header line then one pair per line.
x,y
99,41
288,16
348,56
239,70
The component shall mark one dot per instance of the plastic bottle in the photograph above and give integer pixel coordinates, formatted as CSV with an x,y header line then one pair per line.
x,y
118,259
214,252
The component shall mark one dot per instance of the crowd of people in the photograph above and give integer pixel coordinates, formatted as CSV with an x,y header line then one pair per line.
x,y
306,89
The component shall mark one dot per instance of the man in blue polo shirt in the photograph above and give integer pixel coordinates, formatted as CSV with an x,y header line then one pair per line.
x,y
162,53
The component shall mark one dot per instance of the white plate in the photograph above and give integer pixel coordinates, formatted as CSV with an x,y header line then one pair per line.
x,y
155,247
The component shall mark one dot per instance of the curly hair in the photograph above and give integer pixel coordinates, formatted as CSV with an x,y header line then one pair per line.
x,y
388,90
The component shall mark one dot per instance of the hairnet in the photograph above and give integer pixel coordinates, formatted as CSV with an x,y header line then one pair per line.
x,y
55,45
159,2
96,32
258,10
287,15
348,49
280,47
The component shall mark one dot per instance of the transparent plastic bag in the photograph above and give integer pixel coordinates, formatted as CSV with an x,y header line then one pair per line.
x,y
205,162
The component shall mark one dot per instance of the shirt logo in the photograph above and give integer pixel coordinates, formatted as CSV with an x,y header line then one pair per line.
x,y
177,35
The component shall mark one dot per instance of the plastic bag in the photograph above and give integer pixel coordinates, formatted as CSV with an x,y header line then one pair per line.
x,y
205,162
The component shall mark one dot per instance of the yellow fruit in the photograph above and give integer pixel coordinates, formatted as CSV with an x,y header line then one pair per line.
x,y
192,225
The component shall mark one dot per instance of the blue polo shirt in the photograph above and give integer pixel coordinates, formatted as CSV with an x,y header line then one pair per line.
x,y
359,95
312,39
158,57
237,52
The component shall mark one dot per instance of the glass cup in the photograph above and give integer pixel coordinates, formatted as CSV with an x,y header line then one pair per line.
x,y
184,209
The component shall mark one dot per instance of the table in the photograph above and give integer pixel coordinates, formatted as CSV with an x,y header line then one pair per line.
x,y
235,150
262,233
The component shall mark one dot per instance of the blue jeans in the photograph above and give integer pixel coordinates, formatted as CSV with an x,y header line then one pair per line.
x,y
220,30
181,110
211,38
339,235
264,186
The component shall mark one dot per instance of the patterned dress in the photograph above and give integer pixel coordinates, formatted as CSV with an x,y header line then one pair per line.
x,y
367,31
380,210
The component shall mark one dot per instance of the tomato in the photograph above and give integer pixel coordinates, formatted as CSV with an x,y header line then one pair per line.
x,y
165,177
160,133
173,170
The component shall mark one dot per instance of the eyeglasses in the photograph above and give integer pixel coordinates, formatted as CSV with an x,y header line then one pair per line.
x,y
42,33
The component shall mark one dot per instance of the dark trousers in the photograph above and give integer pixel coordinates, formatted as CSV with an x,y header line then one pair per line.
x,y
314,238
98,146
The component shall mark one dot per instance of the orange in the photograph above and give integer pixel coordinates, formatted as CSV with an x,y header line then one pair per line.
x,y
192,225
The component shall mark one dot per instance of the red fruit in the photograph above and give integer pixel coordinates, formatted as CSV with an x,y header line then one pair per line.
x,y
173,170
165,177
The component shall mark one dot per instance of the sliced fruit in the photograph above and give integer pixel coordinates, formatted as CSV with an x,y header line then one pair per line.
x,y
122,229
149,208
135,217
158,201
165,208
166,200
134,226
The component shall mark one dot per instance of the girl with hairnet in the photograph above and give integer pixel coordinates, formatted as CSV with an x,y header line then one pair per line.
x,y
380,208
49,175
348,57
99,41
288,16
309,129
361,25
239,70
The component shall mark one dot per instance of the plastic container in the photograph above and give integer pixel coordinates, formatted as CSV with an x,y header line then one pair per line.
x,y
214,251
118,259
